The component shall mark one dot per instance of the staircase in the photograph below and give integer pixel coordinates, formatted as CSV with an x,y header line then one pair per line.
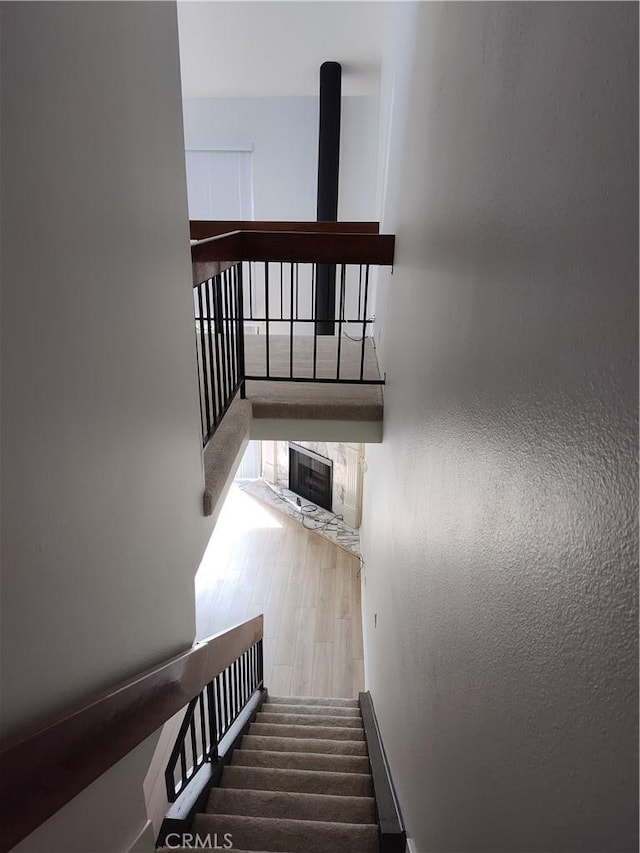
x,y
299,783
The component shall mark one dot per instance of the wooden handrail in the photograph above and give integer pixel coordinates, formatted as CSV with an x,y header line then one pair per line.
x,y
45,767
209,257
203,228
212,256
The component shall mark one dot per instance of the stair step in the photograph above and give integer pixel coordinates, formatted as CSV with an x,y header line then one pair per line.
x,y
295,806
319,732
290,836
313,700
325,710
301,760
309,720
300,781
274,743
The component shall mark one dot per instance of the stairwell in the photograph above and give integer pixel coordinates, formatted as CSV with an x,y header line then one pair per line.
x,y
300,782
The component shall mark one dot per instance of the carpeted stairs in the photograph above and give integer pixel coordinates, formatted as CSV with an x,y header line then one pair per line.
x,y
299,783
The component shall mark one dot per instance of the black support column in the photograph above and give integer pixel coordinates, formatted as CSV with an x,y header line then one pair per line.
x,y
328,167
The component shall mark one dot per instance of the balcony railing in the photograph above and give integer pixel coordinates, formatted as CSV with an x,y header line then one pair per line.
x,y
290,302
210,716
219,344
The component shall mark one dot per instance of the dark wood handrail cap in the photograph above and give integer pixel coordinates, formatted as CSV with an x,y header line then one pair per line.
x,y
215,254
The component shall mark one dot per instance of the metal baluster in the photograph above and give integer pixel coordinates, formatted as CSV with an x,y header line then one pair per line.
x,y
227,336
281,291
232,702
194,744
217,307
232,328
250,291
291,326
314,308
359,291
214,391
203,726
254,670
219,711
183,765
236,686
203,424
211,719
364,318
204,362
232,687
225,703
266,305
241,364
222,339
204,717
343,273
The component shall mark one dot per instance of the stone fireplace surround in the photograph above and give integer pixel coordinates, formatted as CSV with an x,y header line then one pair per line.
x,y
347,472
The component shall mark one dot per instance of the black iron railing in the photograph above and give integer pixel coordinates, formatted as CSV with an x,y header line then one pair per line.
x,y
289,343
266,309
219,344
210,715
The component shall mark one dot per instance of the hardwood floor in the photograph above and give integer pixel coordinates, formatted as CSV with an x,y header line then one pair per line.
x,y
260,561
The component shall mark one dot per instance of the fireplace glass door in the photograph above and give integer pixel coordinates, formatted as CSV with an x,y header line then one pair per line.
x,y
310,475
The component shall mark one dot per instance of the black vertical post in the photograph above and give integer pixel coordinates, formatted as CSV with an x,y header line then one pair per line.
x,y
328,165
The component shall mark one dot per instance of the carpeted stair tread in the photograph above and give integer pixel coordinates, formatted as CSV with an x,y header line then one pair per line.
x,y
309,720
319,732
313,700
290,805
279,835
301,760
303,781
274,743
325,710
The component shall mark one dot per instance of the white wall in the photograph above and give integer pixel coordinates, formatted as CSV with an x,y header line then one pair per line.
x,y
284,134
102,473
500,512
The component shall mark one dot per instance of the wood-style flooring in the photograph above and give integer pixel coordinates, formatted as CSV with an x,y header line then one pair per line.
x,y
260,561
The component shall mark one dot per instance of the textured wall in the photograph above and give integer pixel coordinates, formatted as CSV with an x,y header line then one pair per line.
x,y
500,525
102,527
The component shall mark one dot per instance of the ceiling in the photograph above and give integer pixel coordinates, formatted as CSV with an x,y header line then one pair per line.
x,y
259,48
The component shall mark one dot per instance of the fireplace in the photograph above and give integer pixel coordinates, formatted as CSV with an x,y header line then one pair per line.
x,y
311,475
